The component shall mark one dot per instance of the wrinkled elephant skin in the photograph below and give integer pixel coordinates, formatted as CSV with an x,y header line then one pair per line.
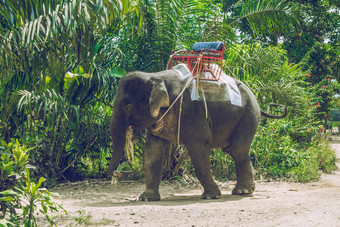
x,y
143,98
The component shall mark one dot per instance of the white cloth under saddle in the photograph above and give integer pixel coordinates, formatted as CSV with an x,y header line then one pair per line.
x,y
224,89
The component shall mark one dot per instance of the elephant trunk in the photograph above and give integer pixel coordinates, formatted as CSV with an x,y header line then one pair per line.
x,y
118,127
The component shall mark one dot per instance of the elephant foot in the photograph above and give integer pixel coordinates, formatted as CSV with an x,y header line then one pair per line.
x,y
244,188
149,196
211,194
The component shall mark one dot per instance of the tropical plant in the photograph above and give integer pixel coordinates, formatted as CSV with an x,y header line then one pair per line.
x,y
291,149
268,18
33,195
267,72
318,23
41,41
322,63
18,191
169,25
56,68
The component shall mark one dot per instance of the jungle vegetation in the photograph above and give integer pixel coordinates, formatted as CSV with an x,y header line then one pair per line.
x,y
61,62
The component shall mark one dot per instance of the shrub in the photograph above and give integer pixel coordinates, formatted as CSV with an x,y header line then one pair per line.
x,y
222,165
277,153
18,191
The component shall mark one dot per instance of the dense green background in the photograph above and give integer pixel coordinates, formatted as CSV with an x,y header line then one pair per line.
x,y
61,61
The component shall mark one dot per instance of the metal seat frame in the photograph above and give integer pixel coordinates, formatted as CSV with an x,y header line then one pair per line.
x,y
205,65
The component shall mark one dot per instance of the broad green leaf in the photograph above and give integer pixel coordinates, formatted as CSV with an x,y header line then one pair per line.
x,y
79,70
8,192
47,80
44,207
117,72
87,76
41,180
7,198
69,80
8,169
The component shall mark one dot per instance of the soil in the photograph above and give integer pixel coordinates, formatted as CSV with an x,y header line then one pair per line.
x,y
99,203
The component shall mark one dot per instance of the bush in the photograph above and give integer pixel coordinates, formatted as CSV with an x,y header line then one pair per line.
x,y
325,156
19,191
277,153
222,165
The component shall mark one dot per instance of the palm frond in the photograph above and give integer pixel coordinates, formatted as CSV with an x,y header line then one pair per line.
x,y
269,15
169,24
56,37
47,105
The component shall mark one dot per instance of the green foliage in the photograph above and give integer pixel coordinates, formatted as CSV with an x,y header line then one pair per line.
x,y
271,16
322,63
83,217
267,72
325,156
319,22
222,165
321,157
33,195
158,27
322,60
58,79
13,161
61,62
19,192
278,151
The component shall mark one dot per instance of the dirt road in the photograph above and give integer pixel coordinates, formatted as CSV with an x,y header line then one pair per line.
x,y
272,204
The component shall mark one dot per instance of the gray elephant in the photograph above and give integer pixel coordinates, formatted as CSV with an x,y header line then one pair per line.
x,y
143,98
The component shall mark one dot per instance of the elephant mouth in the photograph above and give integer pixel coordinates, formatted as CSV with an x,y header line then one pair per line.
x,y
133,122
137,125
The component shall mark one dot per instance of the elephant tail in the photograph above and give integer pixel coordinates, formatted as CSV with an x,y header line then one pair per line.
x,y
264,114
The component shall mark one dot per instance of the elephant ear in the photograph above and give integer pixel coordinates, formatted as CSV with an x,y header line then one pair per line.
x,y
159,96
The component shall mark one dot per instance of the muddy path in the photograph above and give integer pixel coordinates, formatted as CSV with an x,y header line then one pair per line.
x,y
98,203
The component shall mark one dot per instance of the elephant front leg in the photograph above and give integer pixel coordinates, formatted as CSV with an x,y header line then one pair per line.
x,y
154,152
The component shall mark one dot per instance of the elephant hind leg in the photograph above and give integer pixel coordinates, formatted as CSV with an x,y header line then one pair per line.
x,y
239,151
245,177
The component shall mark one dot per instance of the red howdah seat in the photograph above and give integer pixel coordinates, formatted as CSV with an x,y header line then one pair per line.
x,y
205,61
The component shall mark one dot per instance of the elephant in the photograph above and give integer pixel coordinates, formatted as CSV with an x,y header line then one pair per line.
x,y
141,101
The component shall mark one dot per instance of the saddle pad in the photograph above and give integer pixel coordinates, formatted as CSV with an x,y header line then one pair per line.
x,y
224,89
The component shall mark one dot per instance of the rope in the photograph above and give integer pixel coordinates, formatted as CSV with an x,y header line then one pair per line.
x,y
179,119
174,53
181,95
185,87
173,103
231,72
236,78
205,104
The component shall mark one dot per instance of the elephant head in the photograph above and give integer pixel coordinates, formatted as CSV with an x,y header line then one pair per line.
x,y
139,98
